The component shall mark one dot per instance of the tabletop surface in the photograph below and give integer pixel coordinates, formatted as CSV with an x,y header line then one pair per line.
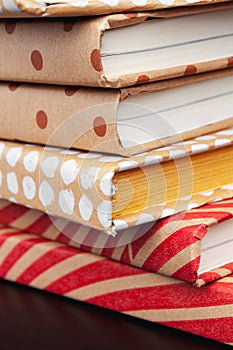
x,y
36,320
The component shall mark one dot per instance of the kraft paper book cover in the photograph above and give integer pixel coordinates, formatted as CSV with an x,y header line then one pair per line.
x,y
196,246
110,192
121,121
32,8
92,51
72,273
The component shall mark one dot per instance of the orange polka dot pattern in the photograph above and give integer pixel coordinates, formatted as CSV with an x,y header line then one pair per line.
x,y
13,86
190,69
10,27
71,90
41,119
230,62
68,25
80,118
70,116
99,126
96,60
37,60
142,79
78,67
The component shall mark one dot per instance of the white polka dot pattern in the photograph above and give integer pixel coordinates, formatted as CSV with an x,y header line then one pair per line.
x,y
192,206
46,194
207,193
85,207
120,224
81,3
168,212
225,132
110,2
69,171
205,137
140,2
167,2
10,6
186,198
110,159
13,200
105,184
29,187
2,146
49,166
127,164
176,153
80,186
153,159
104,212
30,161
89,155
221,142
227,187
66,201
88,178
143,218
89,7
12,182
13,155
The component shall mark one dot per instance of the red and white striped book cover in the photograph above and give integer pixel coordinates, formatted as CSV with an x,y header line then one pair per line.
x,y
171,246
54,267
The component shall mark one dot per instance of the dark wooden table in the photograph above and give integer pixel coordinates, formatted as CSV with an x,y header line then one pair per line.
x,y
35,320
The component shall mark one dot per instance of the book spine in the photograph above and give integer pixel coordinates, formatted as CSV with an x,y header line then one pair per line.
x,y
58,52
61,116
171,246
64,182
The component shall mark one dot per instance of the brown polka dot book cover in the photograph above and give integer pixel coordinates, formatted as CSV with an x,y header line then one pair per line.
x,y
117,50
122,121
116,156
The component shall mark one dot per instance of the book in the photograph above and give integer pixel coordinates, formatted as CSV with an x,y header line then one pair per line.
x,y
195,247
110,192
27,8
121,121
72,273
92,50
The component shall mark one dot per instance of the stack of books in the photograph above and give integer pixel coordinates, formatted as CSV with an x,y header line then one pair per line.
x,y
116,157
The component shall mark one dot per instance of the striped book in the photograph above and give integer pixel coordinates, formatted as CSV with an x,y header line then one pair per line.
x,y
196,246
60,269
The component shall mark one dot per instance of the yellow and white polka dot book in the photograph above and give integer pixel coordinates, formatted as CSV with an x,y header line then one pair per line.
x,y
111,193
123,121
115,50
